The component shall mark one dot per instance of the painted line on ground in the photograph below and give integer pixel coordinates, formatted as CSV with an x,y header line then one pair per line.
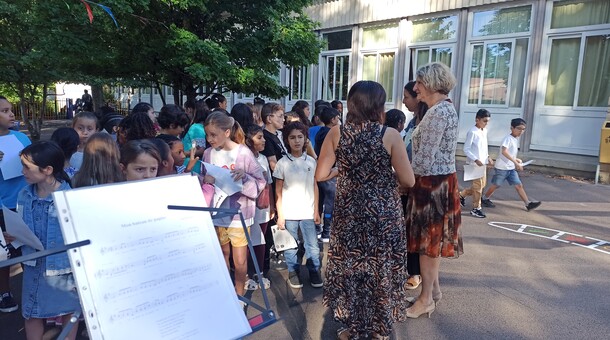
x,y
555,235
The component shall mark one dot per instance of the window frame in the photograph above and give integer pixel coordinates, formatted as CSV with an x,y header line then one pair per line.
x,y
322,61
551,34
509,85
290,74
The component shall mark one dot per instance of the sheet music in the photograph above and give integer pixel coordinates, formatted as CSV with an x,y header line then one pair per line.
x,y
150,272
473,171
223,178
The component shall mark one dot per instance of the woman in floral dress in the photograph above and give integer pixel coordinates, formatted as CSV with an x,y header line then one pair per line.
x,y
366,271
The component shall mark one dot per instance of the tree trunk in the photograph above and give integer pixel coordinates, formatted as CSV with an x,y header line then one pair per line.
x,y
161,94
36,114
98,96
176,93
191,92
23,107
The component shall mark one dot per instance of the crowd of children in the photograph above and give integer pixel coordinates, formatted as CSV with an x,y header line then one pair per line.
x,y
272,153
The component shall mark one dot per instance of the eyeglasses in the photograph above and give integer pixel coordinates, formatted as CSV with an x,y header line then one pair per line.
x,y
519,128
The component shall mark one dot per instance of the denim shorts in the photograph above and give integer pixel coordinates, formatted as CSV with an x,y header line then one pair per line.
x,y
511,176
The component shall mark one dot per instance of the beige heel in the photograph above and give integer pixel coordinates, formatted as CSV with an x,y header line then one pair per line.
x,y
428,310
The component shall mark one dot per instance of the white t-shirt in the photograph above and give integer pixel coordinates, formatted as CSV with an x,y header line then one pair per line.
x,y
475,145
262,215
512,146
298,189
223,158
226,159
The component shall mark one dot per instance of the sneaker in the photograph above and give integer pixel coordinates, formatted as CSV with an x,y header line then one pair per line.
x,y
477,213
533,205
325,237
486,202
264,281
250,285
315,279
294,281
462,201
8,304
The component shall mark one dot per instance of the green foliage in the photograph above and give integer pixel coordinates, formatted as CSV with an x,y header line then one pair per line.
x,y
222,45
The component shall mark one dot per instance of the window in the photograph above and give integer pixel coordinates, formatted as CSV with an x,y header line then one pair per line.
x,y
579,61
593,88
423,56
334,66
498,56
574,14
335,77
502,21
432,41
379,45
337,40
443,28
300,83
497,73
380,68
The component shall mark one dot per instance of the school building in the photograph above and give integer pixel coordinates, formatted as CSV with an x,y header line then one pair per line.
x,y
547,61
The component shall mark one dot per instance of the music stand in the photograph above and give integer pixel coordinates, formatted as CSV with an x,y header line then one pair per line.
x,y
267,316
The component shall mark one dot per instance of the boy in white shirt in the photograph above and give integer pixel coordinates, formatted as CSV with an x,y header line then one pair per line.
x,y
507,165
475,148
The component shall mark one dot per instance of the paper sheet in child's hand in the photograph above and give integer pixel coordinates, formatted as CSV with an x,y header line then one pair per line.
x,y
473,171
11,162
223,178
17,228
528,162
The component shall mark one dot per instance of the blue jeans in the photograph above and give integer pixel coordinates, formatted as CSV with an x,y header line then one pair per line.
x,y
310,240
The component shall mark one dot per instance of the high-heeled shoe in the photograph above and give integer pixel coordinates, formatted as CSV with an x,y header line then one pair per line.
x,y
436,298
343,334
376,336
428,310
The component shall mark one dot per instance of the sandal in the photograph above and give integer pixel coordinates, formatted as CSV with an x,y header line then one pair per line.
x,y
413,282
251,285
343,334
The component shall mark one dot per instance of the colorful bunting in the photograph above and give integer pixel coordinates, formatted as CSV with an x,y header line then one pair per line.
x,y
89,12
105,8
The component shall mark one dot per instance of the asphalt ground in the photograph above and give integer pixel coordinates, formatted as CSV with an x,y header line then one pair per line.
x,y
542,274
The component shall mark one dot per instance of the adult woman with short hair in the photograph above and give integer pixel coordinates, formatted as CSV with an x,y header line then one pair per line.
x,y
433,209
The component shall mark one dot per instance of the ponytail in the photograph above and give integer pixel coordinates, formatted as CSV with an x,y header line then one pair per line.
x,y
237,133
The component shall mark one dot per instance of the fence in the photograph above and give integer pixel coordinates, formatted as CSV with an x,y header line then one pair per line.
x,y
56,109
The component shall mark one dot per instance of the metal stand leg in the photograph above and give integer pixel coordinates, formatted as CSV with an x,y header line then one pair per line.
x,y
73,323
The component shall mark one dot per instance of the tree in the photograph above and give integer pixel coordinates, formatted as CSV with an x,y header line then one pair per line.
x,y
197,47
214,46
26,58
224,45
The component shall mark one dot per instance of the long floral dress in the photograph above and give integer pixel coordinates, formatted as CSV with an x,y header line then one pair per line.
x,y
366,271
